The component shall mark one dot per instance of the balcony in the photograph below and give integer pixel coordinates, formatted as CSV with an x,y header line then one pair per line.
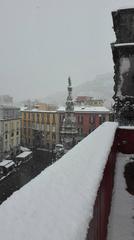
x,y
72,198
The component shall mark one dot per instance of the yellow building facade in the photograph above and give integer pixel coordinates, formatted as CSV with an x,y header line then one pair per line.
x,y
39,128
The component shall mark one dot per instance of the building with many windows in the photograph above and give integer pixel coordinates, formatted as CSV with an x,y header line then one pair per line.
x,y
9,131
39,128
87,119
77,119
88,101
67,125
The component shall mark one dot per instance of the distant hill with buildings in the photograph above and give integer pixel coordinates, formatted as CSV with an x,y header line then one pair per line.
x,y
101,87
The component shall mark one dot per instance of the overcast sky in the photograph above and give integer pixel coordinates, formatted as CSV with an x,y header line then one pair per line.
x,y
42,42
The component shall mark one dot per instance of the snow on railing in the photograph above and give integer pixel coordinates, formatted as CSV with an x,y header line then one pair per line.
x,y
58,204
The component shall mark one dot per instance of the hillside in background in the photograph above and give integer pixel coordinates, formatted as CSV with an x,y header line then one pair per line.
x,y
100,87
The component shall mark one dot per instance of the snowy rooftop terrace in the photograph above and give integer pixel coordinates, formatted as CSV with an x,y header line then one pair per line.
x,y
58,204
87,109
76,109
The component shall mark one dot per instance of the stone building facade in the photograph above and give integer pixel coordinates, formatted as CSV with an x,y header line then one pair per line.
x,y
123,56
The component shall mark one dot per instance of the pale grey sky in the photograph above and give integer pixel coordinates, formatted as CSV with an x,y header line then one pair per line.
x,y
42,42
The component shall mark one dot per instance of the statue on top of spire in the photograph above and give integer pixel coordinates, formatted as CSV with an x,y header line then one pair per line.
x,y
69,81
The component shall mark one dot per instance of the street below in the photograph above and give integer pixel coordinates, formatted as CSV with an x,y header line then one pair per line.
x,y
24,173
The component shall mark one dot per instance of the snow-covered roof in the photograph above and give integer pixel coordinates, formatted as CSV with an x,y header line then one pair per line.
x,y
23,108
24,149
58,204
76,109
6,163
24,154
127,127
38,110
86,109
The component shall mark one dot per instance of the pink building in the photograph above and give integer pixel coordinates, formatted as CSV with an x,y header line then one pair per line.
x,y
87,118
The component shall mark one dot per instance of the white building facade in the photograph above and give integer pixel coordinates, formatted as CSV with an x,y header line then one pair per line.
x,y
9,131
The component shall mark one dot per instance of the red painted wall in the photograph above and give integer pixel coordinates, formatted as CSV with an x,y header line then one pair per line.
x,y
86,124
123,142
98,225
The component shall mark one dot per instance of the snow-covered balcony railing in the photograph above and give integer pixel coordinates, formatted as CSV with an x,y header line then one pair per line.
x,y
60,203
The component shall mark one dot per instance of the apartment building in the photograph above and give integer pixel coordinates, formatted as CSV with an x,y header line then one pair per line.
x,y
9,130
87,119
39,128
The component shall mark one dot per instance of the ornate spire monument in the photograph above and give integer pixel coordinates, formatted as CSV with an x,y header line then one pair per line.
x,y
123,56
69,128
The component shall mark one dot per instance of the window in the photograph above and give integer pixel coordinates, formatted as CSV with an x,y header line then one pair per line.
x,y
17,140
80,131
62,116
53,136
24,115
80,118
48,118
29,115
48,145
6,146
47,136
53,121
6,126
48,128
24,124
53,128
38,117
12,134
18,124
102,119
33,118
92,118
29,124
42,117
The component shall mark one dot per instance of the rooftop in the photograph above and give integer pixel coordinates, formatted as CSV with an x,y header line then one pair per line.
x,y
86,109
24,154
6,163
37,110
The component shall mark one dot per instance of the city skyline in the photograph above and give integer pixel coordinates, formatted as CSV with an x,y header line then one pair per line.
x,y
44,42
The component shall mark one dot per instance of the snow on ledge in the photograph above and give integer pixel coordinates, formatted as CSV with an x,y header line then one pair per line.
x,y
127,127
126,7
58,204
123,44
